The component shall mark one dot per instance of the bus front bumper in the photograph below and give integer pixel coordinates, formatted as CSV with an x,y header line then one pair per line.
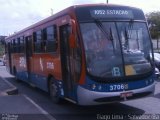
x,y
87,97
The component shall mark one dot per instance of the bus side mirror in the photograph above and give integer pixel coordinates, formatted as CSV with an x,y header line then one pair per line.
x,y
72,36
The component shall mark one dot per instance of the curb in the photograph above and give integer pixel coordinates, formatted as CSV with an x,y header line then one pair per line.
x,y
12,90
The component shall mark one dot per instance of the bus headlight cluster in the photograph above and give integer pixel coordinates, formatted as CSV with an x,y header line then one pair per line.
x,y
99,87
149,81
60,85
94,87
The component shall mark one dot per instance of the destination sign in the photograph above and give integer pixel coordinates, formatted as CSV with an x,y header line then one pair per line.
x,y
111,13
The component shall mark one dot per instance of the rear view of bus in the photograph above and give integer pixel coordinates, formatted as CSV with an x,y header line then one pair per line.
x,y
117,48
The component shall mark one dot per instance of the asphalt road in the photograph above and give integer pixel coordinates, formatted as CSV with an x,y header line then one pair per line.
x,y
144,108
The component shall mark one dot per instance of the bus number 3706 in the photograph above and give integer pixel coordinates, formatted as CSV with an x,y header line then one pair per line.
x,y
118,87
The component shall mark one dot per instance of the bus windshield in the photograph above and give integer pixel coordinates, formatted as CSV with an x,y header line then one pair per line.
x,y
116,49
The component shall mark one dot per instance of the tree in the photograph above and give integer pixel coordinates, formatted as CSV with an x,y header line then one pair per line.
x,y
153,19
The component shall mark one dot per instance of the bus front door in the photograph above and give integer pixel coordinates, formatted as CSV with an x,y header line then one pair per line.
x,y
28,54
9,60
66,62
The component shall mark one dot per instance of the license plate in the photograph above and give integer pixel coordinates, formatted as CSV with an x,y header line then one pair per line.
x,y
126,94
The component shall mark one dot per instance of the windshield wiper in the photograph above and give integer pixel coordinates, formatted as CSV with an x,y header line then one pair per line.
x,y
137,39
111,38
128,34
101,27
126,45
130,28
106,34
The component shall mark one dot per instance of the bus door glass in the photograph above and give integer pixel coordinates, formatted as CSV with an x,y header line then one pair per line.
x,y
66,60
28,52
9,56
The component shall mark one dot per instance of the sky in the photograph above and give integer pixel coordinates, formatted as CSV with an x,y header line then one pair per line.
x,y
18,14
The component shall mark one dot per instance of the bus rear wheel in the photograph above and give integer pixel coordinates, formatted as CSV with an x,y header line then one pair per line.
x,y
53,91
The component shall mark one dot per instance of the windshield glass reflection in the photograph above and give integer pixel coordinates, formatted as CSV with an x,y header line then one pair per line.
x,y
106,47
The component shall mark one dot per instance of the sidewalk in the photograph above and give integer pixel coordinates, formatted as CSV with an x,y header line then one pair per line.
x,y
6,88
14,106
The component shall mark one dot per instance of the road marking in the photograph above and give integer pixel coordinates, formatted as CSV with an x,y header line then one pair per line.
x,y
7,82
39,108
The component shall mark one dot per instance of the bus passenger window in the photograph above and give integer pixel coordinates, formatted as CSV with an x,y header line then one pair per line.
x,y
51,35
12,48
21,45
38,42
16,45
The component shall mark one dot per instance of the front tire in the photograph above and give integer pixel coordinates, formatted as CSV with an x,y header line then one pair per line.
x,y
53,91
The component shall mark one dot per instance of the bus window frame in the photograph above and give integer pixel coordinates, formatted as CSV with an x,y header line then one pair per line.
x,y
54,39
44,40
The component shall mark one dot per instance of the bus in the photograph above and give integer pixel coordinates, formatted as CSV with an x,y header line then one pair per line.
x,y
87,54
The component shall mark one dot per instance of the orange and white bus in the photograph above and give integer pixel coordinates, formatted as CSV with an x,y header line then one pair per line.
x,y
87,54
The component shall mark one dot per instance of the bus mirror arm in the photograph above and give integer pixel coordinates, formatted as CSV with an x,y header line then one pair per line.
x,y
72,37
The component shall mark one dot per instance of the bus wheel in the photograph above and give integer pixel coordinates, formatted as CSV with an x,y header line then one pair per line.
x,y
53,91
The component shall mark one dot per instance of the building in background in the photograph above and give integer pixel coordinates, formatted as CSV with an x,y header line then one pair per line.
x,y
2,45
2,39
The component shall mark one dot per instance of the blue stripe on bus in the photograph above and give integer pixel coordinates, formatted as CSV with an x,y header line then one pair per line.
x,y
119,86
22,76
38,80
41,82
